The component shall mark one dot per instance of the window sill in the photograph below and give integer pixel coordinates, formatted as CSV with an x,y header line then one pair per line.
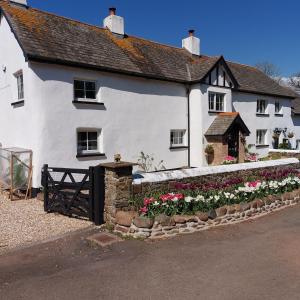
x,y
96,154
178,147
262,115
262,146
278,115
215,111
17,102
87,102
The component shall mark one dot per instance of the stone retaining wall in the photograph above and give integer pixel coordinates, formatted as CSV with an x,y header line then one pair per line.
x,y
130,224
142,189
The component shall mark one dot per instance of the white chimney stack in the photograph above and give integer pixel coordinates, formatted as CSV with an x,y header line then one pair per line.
x,y
21,2
191,43
114,23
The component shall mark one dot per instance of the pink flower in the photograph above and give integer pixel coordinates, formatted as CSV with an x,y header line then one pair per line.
x,y
148,201
143,210
253,183
230,158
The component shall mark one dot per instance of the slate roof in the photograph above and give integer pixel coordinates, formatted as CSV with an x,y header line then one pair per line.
x,y
223,122
49,38
296,106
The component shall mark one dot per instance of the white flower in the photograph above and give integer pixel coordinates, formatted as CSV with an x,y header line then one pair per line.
x,y
156,203
188,199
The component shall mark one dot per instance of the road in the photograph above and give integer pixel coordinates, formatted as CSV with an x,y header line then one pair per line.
x,y
252,260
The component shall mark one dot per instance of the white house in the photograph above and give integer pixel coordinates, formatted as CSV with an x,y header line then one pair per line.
x,y
77,94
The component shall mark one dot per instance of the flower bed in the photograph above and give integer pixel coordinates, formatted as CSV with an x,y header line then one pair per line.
x,y
191,198
197,206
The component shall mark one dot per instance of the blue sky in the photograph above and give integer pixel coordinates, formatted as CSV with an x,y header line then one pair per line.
x,y
242,31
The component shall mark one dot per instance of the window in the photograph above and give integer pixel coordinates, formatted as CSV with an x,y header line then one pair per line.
x,y
278,109
261,137
216,101
297,144
261,107
87,142
177,138
84,90
20,85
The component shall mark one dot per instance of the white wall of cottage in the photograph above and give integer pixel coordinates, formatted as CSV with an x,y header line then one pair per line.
x,y
245,104
18,124
138,115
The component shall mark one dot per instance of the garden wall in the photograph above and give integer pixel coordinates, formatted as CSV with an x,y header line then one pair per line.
x,y
163,182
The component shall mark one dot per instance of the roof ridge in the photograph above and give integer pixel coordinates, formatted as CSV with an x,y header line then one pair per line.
x,y
103,28
66,18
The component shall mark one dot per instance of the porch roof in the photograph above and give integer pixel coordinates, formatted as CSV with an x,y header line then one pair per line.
x,y
224,122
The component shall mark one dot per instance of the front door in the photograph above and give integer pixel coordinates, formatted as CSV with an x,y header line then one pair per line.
x,y
233,142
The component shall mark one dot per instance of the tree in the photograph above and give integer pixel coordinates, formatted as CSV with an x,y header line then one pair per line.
x,y
294,81
269,69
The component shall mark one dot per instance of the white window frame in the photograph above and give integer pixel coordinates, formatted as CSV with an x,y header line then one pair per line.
x,y
280,107
263,141
259,111
98,139
212,102
20,85
177,138
85,81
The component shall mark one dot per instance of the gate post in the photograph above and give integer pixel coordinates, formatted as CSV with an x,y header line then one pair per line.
x,y
118,188
45,186
98,195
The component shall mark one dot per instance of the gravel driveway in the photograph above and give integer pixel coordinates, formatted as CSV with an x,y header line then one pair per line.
x,y
25,222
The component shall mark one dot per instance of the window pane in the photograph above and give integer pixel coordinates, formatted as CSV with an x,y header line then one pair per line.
x,y
92,145
79,94
82,136
90,85
93,135
90,95
211,101
78,85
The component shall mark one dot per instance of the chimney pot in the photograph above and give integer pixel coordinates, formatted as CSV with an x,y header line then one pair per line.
x,y
114,23
192,43
191,32
112,11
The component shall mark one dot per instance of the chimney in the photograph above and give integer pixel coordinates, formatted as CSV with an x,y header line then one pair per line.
x,y
192,43
19,2
114,23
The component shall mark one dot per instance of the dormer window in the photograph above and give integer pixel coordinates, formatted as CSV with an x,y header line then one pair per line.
x,y
84,90
216,102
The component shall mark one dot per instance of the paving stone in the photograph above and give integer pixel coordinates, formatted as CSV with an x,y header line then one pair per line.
x,y
104,239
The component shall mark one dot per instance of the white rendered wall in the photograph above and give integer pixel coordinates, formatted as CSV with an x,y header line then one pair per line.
x,y
296,122
17,124
245,104
138,116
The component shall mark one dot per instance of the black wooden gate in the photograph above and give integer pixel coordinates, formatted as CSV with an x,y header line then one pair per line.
x,y
74,192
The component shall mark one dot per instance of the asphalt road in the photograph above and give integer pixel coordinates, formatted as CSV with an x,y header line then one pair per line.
x,y
253,260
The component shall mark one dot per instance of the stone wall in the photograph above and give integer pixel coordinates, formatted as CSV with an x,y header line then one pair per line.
x,y
118,189
145,188
164,227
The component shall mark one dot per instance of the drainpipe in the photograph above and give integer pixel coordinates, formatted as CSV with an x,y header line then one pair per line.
x,y
188,90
